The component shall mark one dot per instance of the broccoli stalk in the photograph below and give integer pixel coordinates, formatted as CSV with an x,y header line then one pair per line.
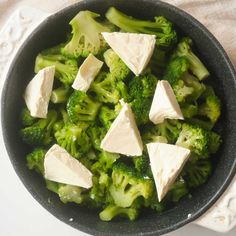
x,y
195,65
65,69
127,185
112,211
80,107
161,27
60,95
116,66
86,35
74,139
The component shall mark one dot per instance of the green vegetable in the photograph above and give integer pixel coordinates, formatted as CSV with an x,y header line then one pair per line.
x,y
86,35
74,139
65,69
80,107
112,211
35,160
160,27
60,95
195,65
26,118
127,185
116,66
40,132
214,141
177,190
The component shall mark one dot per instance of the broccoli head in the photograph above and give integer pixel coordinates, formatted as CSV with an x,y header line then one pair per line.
x,y
107,89
194,138
108,115
127,185
141,108
142,86
182,91
153,203
214,141
86,35
96,134
35,160
111,211
116,66
161,27
196,173
80,107
141,164
175,69
74,139
195,65
40,132
189,110
65,69
211,108
177,190
26,118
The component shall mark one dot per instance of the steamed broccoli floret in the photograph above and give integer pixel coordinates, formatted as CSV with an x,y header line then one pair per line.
x,y
189,110
74,139
39,133
169,130
52,186
105,161
80,107
194,138
161,27
207,125
116,66
192,82
151,136
35,160
112,211
60,95
211,109
214,141
127,185
96,135
142,86
141,108
98,192
154,204
182,91
175,69
177,190
195,65
141,164
107,89
70,193
196,173
108,115
26,118
86,35
65,69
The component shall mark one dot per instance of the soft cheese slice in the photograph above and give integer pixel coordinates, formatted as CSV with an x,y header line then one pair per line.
x,y
123,136
164,104
38,92
61,167
87,72
134,49
167,161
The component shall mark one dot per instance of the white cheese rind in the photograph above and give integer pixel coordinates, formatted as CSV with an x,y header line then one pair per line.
x,y
38,91
134,49
123,137
87,73
61,167
167,161
164,104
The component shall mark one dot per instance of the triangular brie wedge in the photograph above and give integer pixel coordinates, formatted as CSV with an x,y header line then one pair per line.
x,y
61,167
134,49
164,104
167,161
123,136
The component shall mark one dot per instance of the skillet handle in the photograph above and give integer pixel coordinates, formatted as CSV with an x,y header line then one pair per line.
x,y
221,217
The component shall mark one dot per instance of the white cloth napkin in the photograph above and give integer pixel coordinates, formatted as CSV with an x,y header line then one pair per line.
x,y
219,16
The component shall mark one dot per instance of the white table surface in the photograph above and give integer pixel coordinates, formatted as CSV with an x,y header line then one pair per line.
x,y
20,214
